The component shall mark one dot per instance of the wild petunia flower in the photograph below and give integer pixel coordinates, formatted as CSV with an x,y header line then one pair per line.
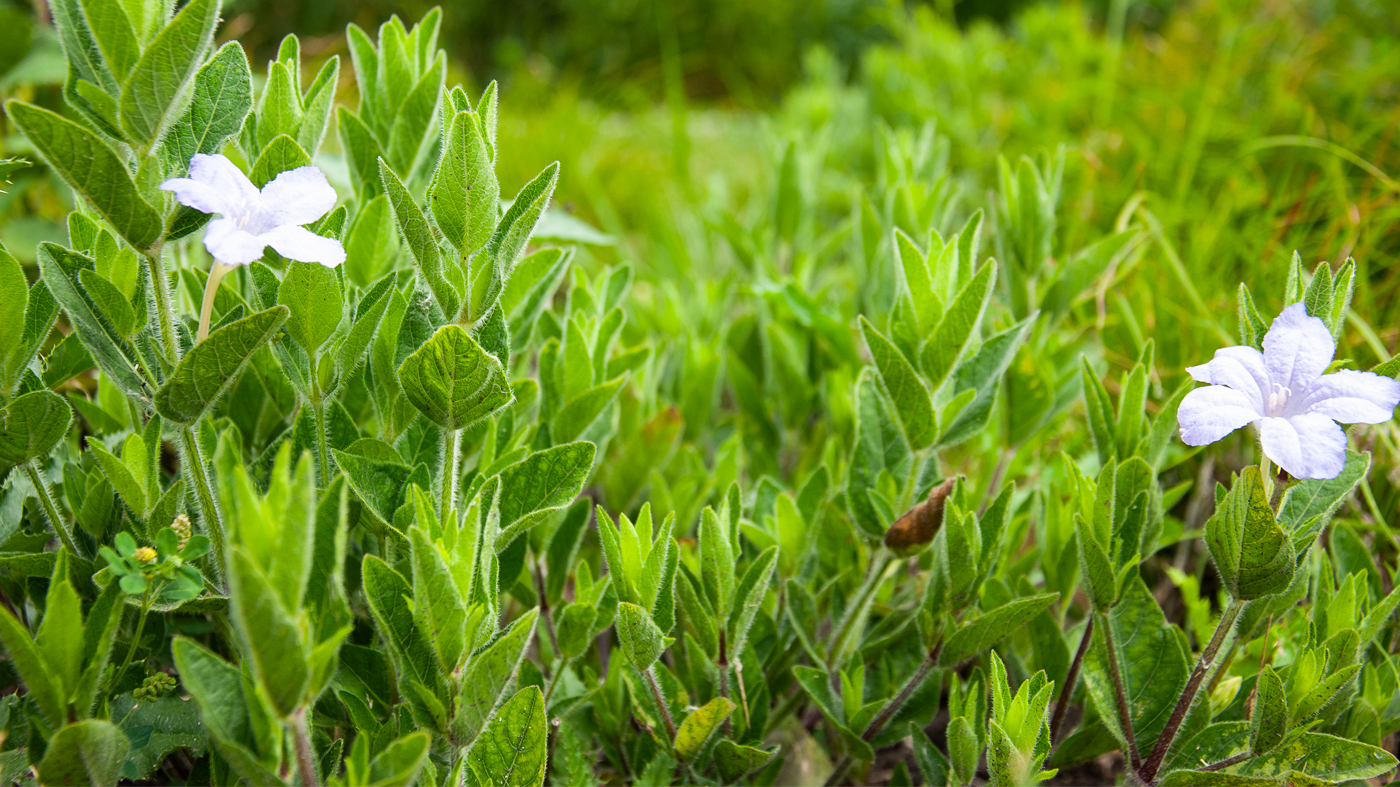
x,y
1285,392
251,220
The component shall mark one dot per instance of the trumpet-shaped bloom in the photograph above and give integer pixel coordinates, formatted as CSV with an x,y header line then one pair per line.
x,y
251,220
1285,392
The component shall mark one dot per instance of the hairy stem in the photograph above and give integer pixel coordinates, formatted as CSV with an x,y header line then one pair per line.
x,y
661,705
323,456
1071,678
546,614
192,459
722,662
877,724
1125,716
160,285
41,490
875,572
306,755
451,453
1148,771
1223,764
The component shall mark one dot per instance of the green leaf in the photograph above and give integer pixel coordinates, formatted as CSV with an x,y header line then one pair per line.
x,y
401,761
110,303
311,292
465,196
280,155
489,674
507,243
14,300
1269,723
25,658
59,267
1254,555
735,761
979,633
220,99
1154,665
151,95
439,606
982,374
1312,754
941,351
87,752
32,425
214,365
443,278
543,483
902,383
279,109
641,638
748,596
576,629
880,448
388,596
511,751
454,382
317,105
580,412
699,726
156,730
271,637
933,764
1309,504
93,170
817,684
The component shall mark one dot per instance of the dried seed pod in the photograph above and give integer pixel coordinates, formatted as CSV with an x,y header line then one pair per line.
x,y
916,529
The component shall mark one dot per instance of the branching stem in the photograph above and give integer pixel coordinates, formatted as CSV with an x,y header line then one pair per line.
x,y
1125,716
1071,679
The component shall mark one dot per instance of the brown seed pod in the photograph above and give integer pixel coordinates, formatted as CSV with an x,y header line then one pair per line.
x,y
916,529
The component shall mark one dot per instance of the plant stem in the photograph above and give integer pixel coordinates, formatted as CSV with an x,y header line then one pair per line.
x,y
1148,771
323,456
450,455
886,713
136,637
722,662
546,614
211,286
661,705
875,572
160,284
193,460
41,490
1072,678
1223,764
306,756
1125,716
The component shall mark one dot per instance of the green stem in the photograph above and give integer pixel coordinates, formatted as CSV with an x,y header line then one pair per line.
x,y
451,454
1067,693
160,284
41,490
875,573
323,456
877,725
135,638
193,461
1148,772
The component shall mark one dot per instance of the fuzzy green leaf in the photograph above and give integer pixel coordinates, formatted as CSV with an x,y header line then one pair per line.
x,y
214,365
312,294
512,749
1254,555
151,95
87,752
543,483
454,382
32,425
699,726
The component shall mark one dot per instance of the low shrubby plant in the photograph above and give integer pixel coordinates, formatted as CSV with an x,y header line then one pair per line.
x,y
395,485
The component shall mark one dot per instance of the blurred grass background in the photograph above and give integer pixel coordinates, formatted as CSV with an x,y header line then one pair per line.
x,y
1245,130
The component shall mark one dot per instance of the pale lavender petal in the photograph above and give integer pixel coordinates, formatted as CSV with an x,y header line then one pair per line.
x,y
1352,397
1241,368
1297,348
1307,446
1208,414
299,243
297,196
222,175
230,244
200,196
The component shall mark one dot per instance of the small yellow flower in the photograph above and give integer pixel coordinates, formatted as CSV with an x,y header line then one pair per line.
x,y
146,555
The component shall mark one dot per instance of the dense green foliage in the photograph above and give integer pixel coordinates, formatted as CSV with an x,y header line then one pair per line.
x,y
847,451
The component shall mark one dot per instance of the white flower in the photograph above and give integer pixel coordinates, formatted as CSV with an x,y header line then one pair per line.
x,y
1284,390
252,220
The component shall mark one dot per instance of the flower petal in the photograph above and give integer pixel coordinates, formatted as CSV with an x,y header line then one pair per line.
x,y
1208,414
1307,446
299,243
297,196
1297,348
1352,397
215,185
1241,368
230,244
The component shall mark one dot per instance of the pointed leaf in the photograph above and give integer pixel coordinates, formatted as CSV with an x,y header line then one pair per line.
x,y
214,365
